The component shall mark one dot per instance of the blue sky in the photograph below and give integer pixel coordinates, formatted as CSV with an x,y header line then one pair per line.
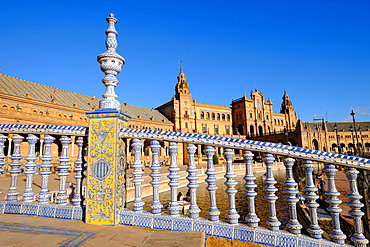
x,y
318,50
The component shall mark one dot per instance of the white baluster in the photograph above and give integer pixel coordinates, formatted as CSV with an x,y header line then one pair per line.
x,y
249,178
192,185
232,215
77,198
358,237
213,211
173,176
30,168
44,195
138,202
13,193
332,198
293,225
3,139
62,196
314,229
156,177
270,188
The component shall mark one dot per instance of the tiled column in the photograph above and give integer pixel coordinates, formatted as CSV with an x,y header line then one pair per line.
x,y
30,168
13,193
156,205
43,196
213,211
62,196
293,225
232,215
173,176
192,185
314,229
137,174
77,198
270,189
249,185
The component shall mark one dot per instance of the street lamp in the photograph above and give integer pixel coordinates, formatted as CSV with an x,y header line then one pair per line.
x,y
338,137
353,140
354,123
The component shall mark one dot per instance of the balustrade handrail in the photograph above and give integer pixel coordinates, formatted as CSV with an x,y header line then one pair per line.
x,y
44,129
258,146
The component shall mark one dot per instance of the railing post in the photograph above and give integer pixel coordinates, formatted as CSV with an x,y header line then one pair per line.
x,y
44,195
332,198
156,177
293,225
16,157
232,215
30,168
62,196
213,211
137,173
249,178
173,176
314,229
358,237
77,198
270,189
192,185
3,139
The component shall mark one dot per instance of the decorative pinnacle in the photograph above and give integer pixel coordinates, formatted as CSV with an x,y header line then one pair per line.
x,y
110,64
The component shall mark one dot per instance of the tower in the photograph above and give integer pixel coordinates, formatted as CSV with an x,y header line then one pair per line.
x,y
289,112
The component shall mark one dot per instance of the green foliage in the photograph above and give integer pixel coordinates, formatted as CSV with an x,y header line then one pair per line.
x,y
215,160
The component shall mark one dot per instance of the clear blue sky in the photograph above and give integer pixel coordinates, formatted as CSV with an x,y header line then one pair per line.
x,y
318,50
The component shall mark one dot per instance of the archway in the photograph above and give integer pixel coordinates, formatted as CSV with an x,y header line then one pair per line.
x,y
240,129
315,144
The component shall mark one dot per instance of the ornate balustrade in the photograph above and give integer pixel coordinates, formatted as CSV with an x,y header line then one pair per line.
x,y
251,231
41,154
41,200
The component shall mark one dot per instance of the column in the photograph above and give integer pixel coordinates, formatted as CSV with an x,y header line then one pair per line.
x,y
293,225
30,168
13,193
3,139
45,166
137,174
249,178
192,185
9,145
358,237
332,199
77,198
232,215
63,171
314,229
156,205
270,189
213,211
173,176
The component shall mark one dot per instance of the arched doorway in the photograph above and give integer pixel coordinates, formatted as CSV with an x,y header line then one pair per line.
x,y
260,130
251,130
240,129
315,144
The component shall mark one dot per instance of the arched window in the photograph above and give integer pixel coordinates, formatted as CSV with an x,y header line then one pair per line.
x,y
223,117
59,115
207,115
41,113
5,107
228,117
218,116
12,108
213,116
34,112
201,115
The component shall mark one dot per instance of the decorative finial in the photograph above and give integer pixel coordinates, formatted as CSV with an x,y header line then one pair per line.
x,y
110,64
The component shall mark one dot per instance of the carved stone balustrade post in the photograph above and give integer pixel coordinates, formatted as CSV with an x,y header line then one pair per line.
x,y
192,185
293,225
12,194
270,189
249,178
3,139
314,229
213,211
43,196
62,196
358,237
156,205
30,168
77,198
174,207
138,171
332,199
232,215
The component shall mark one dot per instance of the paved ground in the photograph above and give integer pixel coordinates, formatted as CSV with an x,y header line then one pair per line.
x,y
16,230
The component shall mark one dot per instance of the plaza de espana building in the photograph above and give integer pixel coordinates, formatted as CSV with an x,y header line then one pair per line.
x,y
251,117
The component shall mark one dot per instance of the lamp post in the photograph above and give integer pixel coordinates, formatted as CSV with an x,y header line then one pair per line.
x,y
354,123
353,140
338,138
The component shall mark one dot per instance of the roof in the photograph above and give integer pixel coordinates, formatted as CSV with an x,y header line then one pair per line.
x,y
342,126
20,88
